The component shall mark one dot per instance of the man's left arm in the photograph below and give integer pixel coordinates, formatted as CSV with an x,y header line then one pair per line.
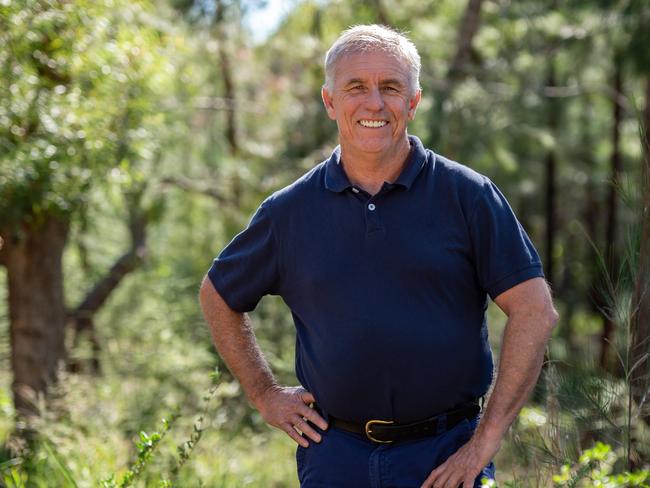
x,y
531,318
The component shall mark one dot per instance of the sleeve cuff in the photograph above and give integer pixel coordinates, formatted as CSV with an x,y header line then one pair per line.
x,y
219,285
513,279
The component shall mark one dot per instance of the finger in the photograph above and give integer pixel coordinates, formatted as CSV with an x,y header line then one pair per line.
x,y
454,480
441,478
460,479
307,397
431,479
313,416
303,426
291,432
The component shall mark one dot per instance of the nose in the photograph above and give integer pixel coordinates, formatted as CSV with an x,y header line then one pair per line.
x,y
375,101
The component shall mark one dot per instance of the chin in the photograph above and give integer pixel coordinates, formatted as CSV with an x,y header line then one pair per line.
x,y
373,146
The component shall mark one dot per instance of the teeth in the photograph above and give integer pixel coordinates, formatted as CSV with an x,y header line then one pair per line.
x,y
373,123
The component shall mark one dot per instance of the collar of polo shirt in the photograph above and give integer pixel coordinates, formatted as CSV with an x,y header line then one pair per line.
x,y
337,181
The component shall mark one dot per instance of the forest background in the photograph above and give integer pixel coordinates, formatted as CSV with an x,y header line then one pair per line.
x,y
137,138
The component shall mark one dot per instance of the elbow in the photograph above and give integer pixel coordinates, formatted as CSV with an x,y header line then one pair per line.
x,y
206,295
552,318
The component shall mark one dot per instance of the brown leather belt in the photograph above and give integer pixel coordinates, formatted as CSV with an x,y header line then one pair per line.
x,y
387,431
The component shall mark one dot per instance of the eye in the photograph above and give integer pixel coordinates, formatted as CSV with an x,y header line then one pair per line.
x,y
390,89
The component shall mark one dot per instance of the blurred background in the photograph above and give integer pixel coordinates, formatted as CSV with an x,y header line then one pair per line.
x,y
137,138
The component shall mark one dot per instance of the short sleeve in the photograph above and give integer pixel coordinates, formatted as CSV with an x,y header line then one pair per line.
x,y
504,255
247,269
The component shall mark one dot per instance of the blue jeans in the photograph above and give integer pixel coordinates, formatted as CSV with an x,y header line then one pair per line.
x,y
343,459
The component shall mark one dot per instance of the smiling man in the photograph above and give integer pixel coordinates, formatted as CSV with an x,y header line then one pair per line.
x,y
386,254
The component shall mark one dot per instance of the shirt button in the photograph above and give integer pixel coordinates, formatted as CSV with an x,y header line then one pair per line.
x,y
371,207
355,190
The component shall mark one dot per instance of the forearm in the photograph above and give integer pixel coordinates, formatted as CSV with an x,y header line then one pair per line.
x,y
235,341
522,354
531,318
282,407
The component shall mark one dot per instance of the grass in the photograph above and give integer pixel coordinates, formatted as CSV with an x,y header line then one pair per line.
x,y
83,453
156,358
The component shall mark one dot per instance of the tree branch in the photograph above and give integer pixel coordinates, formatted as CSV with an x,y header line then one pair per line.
x,y
193,187
124,265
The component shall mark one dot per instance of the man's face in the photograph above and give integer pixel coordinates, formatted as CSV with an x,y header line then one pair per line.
x,y
371,101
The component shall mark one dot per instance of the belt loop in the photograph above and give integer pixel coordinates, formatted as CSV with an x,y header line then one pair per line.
x,y
442,424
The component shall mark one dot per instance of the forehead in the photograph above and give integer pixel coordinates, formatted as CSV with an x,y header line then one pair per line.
x,y
370,66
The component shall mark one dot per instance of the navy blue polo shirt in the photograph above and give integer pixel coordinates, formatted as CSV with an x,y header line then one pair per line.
x,y
388,292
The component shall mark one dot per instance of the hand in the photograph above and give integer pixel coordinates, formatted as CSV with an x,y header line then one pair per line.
x,y
287,409
464,465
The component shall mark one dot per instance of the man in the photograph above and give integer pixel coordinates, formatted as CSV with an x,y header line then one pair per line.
x,y
385,253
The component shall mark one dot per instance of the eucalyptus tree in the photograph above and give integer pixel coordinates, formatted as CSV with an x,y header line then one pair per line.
x,y
82,85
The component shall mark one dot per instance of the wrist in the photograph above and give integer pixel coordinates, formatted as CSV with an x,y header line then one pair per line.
x,y
489,433
257,397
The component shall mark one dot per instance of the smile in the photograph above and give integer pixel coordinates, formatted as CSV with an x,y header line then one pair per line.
x,y
373,123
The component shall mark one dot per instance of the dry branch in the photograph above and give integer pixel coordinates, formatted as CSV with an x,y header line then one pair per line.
x,y
193,187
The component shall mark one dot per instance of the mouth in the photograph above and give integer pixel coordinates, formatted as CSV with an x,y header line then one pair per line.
x,y
373,124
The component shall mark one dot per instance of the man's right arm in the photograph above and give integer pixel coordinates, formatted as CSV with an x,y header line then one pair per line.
x,y
282,407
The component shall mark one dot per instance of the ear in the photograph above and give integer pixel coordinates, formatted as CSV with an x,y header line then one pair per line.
x,y
413,104
328,102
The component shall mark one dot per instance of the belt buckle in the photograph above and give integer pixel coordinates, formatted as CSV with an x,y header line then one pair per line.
x,y
369,425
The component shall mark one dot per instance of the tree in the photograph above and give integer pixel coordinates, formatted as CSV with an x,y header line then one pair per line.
x,y
80,102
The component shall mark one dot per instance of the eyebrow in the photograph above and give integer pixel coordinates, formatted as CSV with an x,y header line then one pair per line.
x,y
390,81
355,81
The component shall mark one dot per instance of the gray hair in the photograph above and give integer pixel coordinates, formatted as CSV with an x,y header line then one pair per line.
x,y
369,38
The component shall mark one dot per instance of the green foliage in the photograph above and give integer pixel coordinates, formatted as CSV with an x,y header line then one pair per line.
x,y
146,447
83,82
595,468
114,109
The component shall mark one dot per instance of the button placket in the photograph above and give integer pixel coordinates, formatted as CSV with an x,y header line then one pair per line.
x,y
373,221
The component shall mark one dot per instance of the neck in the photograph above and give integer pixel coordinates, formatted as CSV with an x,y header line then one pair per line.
x,y
370,171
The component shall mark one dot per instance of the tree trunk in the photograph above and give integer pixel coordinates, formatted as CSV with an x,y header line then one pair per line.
x,y
229,94
468,29
551,170
640,347
456,71
380,12
225,65
33,257
612,206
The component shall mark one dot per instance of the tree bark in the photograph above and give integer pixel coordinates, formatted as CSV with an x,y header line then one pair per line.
x,y
551,187
456,71
590,211
33,257
225,65
229,93
380,12
612,208
640,347
468,29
